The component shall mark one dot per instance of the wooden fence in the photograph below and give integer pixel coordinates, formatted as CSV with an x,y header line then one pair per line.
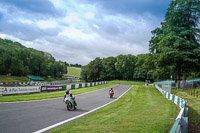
x,y
193,92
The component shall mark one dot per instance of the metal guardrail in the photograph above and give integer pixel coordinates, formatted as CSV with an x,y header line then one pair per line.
x,y
181,123
37,83
32,89
1,91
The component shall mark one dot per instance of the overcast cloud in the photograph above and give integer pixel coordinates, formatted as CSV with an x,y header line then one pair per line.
x,y
78,31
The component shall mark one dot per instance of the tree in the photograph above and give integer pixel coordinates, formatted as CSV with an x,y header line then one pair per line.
x,y
175,46
95,67
85,72
125,65
142,68
19,60
108,69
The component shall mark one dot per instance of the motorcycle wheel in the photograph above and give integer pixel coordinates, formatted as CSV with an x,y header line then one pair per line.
x,y
69,106
111,96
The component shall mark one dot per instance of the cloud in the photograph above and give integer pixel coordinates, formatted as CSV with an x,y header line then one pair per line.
x,y
46,24
26,31
128,7
44,7
80,31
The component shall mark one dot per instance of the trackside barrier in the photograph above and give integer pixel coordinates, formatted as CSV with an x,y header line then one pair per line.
x,y
20,90
181,123
1,91
38,83
36,89
76,86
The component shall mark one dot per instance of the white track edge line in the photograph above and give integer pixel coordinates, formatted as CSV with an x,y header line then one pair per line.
x,y
73,118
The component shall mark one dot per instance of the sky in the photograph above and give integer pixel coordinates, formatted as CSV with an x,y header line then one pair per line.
x,y
78,31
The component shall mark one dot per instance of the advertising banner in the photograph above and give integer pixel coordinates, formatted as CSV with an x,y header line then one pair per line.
x,y
20,90
51,88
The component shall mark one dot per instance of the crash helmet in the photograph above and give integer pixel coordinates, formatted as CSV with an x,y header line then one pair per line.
x,y
67,92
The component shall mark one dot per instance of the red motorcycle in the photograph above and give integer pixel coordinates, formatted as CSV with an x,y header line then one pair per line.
x,y
111,94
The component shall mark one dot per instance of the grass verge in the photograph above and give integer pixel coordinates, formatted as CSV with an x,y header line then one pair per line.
x,y
193,109
141,109
126,82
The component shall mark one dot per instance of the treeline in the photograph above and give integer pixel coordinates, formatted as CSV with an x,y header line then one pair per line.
x,y
75,65
174,51
16,59
124,67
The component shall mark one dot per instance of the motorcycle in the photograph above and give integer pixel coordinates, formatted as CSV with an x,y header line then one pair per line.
x,y
70,103
111,94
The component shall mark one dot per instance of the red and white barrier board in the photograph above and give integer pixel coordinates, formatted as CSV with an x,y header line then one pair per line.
x,y
20,90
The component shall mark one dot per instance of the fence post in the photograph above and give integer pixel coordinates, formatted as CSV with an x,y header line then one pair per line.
x,y
189,91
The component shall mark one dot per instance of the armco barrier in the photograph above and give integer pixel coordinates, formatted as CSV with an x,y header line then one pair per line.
x,y
1,91
181,123
76,86
37,83
34,89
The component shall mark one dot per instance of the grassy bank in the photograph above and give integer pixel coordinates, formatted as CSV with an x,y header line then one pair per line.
x,y
141,109
126,82
4,78
74,71
194,109
46,95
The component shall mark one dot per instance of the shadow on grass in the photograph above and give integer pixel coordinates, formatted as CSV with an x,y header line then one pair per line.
x,y
194,121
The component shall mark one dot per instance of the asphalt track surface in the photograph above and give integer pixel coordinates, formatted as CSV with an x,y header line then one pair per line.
x,y
32,116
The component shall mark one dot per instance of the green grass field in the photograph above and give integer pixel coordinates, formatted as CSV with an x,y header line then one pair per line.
x,y
141,110
74,71
193,107
4,78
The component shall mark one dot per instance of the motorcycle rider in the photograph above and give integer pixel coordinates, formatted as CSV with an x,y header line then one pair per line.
x,y
111,90
67,93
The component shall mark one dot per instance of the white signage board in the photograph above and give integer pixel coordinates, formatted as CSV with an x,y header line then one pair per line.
x,y
20,90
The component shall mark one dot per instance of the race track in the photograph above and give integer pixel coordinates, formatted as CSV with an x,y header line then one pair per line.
x,y
32,116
